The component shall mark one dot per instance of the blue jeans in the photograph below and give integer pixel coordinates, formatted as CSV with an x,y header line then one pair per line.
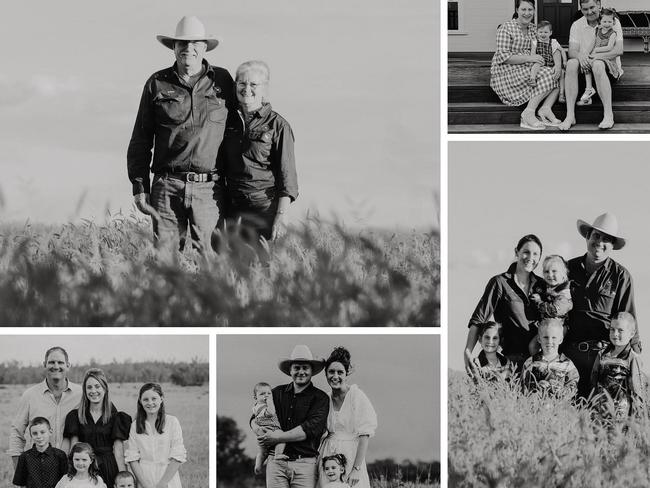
x,y
300,473
257,212
185,205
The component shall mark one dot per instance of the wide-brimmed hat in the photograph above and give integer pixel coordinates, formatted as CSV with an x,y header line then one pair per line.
x,y
189,28
301,354
605,223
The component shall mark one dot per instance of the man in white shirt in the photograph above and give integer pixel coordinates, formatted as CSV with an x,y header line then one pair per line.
x,y
53,398
581,39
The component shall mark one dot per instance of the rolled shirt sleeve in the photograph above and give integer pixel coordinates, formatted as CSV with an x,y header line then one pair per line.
x,y
504,45
287,182
316,421
177,450
365,417
18,426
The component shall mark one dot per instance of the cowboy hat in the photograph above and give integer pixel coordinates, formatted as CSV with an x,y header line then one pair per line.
x,y
605,223
189,29
301,354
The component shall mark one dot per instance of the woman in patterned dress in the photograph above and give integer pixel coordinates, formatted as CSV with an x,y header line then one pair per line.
x,y
510,71
97,422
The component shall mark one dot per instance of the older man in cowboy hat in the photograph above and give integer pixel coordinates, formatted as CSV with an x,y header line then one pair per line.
x,y
600,288
302,410
182,116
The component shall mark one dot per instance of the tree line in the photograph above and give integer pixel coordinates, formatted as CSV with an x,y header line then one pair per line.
x,y
193,373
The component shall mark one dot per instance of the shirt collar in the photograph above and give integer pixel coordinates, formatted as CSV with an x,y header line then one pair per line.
x,y
289,388
47,452
606,265
261,112
47,388
512,269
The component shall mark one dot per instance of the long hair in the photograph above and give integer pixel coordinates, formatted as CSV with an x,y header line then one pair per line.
x,y
93,471
84,406
141,415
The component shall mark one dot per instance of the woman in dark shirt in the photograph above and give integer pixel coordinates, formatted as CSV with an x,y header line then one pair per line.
x,y
258,158
97,422
507,299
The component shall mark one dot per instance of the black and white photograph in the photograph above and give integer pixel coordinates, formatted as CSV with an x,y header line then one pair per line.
x,y
328,411
548,293
94,411
233,164
548,66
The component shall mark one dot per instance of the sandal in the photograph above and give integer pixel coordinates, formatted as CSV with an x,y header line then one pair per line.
x,y
537,125
548,118
585,99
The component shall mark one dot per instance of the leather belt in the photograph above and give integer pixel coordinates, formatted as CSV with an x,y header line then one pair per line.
x,y
193,177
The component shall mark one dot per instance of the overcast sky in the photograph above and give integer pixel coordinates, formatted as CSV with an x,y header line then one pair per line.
x,y
501,191
400,374
30,350
358,81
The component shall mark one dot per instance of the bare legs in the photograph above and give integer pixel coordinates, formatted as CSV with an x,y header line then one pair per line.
x,y
546,110
605,92
571,93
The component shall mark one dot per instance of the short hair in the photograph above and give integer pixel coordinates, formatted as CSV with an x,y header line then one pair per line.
x,y
582,2
547,322
556,258
40,421
124,474
626,318
608,11
57,348
254,65
545,23
261,384
485,326
529,238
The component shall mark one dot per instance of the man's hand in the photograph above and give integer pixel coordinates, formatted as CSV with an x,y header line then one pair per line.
x,y
585,62
269,439
141,201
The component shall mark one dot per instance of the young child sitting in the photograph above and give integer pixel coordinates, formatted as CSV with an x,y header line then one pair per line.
x,y
42,465
553,297
549,371
490,364
616,377
553,54
604,41
334,470
265,420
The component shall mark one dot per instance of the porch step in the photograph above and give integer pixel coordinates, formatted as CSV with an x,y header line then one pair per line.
x,y
636,112
576,129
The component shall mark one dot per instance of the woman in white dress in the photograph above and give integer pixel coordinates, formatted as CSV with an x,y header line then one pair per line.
x,y
155,447
351,421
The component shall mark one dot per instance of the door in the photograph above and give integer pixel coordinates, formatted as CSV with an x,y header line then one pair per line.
x,y
561,14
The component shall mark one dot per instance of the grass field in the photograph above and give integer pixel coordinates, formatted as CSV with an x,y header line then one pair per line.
x,y
318,275
188,404
499,437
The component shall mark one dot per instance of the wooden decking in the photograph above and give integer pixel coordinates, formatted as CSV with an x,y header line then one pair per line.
x,y
474,107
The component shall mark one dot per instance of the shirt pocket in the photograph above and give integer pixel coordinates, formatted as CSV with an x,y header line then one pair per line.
x,y
605,300
216,109
170,107
259,146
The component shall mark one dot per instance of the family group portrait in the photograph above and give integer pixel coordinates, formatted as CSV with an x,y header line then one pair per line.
x,y
75,415
324,411
224,165
548,66
546,338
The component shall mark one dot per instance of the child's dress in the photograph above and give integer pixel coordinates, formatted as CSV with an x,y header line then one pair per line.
x,y
66,482
336,484
602,39
504,371
555,301
154,450
619,378
558,377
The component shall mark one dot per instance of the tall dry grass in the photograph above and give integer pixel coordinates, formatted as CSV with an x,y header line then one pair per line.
x,y
318,275
500,437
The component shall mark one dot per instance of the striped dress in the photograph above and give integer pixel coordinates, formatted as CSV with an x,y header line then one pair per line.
x,y
510,81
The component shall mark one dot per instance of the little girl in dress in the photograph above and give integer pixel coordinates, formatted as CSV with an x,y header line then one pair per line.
x,y
82,471
334,470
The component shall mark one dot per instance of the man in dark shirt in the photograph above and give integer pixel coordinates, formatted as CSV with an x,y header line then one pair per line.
x,y
600,288
182,116
302,410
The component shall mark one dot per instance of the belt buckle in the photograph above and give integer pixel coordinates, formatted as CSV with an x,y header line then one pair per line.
x,y
191,176
583,346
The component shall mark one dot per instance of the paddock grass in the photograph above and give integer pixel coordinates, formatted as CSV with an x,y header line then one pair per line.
x,y
318,275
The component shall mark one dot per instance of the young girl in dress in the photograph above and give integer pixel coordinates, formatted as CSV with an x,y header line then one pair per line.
x,y
155,447
490,364
604,41
82,470
334,470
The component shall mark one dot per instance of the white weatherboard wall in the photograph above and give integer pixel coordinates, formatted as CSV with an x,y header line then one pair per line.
x,y
478,21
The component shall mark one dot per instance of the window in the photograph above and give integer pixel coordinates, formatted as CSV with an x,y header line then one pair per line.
x,y
452,16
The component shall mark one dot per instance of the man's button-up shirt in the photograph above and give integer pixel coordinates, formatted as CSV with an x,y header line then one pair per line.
x,y
597,298
39,401
307,409
258,154
184,125
40,469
